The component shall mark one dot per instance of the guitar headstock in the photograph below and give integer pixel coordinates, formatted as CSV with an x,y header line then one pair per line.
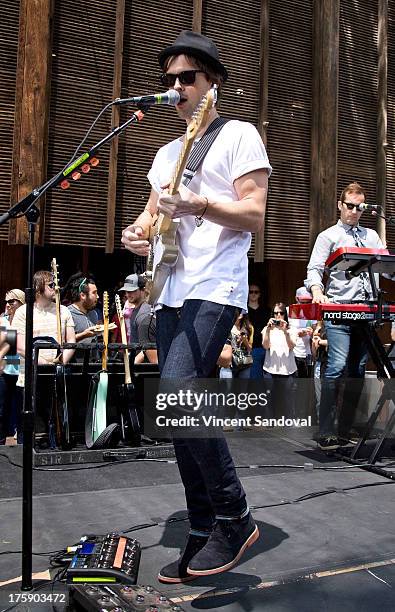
x,y
55,273
118,306
201,112
105,306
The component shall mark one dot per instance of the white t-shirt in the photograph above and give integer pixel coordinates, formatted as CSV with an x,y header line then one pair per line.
x,y
303,345
279,358
212,264
44,324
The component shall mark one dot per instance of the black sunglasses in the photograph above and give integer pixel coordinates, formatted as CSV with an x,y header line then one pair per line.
x,y
350,205
281,312
11,301
186,77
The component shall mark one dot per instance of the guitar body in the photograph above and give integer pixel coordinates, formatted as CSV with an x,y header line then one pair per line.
x,y
99,421
165,258
64,438
130,422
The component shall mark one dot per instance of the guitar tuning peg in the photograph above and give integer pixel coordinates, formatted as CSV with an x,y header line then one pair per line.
x,y
85,168
64,184
94,161
76,175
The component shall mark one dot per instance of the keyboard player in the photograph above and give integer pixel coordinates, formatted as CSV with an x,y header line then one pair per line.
x,y
346,346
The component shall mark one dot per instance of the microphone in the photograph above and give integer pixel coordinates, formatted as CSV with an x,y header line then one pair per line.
x,y
171,97
365,206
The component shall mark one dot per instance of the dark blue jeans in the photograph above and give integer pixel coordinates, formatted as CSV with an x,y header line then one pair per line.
x,y
347,354
190,340
258,355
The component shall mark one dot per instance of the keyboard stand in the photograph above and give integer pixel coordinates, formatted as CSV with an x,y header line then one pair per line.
x,y
385,371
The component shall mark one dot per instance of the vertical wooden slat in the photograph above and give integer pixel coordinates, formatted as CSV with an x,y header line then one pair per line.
x,y
115,118
382,76
325,115
31,104
263,104
197,16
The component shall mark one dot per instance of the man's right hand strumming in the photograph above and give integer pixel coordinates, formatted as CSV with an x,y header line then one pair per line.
x,y
133,239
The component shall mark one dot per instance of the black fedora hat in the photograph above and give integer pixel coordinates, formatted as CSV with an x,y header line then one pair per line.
x,y
197,45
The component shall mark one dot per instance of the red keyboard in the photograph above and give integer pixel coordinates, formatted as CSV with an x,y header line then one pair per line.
x,y
360,259
345,313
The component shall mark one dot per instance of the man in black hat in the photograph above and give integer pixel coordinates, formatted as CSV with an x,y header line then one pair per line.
x,y
204,293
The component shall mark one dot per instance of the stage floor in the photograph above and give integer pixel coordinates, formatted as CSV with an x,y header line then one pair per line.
x,y
327,535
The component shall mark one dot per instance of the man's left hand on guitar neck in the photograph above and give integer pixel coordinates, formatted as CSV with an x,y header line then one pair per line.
x,y
181,204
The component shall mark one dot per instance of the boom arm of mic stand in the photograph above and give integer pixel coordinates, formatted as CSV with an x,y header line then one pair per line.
x,y
24,205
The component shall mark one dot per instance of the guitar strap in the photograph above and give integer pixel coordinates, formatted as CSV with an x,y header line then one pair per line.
x,y
201,149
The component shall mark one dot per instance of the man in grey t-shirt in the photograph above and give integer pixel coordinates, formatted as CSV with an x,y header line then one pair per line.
x,y
85,297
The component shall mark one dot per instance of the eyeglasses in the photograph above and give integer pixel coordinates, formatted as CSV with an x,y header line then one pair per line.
x,y
254,291
10,302
280,312
51,285
350,205
186,77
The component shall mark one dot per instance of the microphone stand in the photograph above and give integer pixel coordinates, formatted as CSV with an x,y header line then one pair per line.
x,y
27,207
388,220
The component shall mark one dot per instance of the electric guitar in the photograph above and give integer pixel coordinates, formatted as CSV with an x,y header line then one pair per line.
x,y
130,424
97,433
99,421
59,407
164,250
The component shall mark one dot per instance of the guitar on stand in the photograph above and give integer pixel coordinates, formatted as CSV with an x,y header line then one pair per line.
x,y
163,253
59,427
97,433
130,424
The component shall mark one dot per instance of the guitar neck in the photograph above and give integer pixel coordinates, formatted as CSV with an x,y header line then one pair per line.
x,y
180,165
58,319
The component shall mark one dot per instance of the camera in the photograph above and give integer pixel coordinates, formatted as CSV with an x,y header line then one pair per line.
x,y
8,336
277,322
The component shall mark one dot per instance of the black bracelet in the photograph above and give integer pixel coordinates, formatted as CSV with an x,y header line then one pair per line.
x,y
199,219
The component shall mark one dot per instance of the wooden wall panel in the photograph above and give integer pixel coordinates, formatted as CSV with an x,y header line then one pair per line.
x,y
357,133
390,192
288,134
9,28
82,84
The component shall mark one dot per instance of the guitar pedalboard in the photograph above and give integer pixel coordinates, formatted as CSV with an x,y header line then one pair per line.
x,y
120,598
108,559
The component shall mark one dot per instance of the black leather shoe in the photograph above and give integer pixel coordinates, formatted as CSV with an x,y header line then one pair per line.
x,y
177,571
225,546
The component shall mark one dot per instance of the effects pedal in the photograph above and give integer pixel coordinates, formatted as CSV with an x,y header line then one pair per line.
x,y
111,558
121,598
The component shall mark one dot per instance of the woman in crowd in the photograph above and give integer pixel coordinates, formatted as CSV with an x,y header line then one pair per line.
x,y
240,359
258,315
8,396
280,366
